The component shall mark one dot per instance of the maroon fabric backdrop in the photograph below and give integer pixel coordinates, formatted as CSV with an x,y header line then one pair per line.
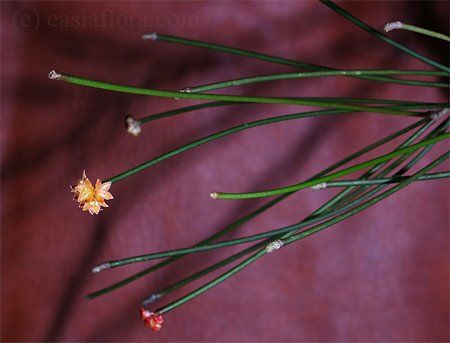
x,y
382,275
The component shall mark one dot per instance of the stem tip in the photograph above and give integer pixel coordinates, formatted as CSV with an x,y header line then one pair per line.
x,y
213,195
150,36
438,114
53,75
101,267
393,26
133,126
151,299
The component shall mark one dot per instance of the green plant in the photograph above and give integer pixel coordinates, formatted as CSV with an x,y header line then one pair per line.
x,y
357,194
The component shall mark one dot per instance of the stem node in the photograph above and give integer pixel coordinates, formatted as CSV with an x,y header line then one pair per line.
x,y
320,186
438,114
275,245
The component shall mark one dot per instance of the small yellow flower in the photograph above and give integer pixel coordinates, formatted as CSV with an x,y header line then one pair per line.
x,y
89,198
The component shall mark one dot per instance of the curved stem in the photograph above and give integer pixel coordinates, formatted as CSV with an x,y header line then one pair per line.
x,y
382,37
397,25
284,76
264,57
233,98
330,177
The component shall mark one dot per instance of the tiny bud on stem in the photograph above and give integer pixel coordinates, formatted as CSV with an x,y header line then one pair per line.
x,y
53,75
101,267
393,26
133,126
150,36
275,245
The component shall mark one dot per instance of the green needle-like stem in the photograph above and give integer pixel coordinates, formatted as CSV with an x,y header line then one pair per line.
x,y
328,205
299,236
380,181
220,97
405,105
369,203
382,37
247,239
351,192
158,295
255,213
330,177
224,133
397,25
312,220
268,58
284,76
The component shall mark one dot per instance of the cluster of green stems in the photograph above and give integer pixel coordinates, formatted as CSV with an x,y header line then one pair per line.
x,y
357,194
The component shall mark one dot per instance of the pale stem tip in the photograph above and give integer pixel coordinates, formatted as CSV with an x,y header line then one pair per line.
x,y
213,195
275,245
185,90
101,267
53,75
151,299
319,186
133,126
150,36
438,114
393,26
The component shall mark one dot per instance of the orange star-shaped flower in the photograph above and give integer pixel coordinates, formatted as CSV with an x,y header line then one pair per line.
x,y
89,198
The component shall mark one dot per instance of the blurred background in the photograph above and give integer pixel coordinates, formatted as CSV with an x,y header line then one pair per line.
x,y
382,275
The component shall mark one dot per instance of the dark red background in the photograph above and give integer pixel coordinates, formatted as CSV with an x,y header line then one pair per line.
x,y
382,275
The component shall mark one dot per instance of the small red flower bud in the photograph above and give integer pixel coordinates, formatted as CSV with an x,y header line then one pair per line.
x,y
151,320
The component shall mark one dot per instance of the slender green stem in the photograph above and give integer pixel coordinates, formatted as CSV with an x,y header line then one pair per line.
x,y
220,97
404,103
313,219
382,37
221,134
284,76
330,177
211,284
264,57
251,238
158,295
351,192
397,25
187,109
255,213
299,236
381,181
369,203
322,209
